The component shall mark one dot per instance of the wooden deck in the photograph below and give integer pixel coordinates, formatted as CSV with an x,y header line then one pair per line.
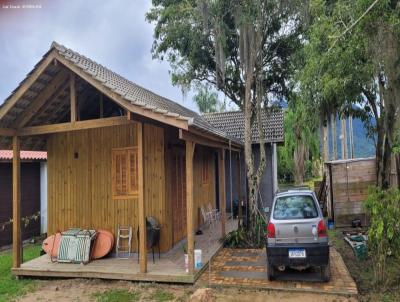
x,y
170,268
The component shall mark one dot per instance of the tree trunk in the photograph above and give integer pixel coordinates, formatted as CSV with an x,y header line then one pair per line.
x,y
299,167
325,147
334,135
351,136
344,137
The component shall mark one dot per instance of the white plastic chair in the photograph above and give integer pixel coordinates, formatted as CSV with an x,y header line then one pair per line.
x,y
215,213
207,216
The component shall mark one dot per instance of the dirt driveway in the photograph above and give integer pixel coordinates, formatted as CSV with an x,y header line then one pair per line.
x,y
84,290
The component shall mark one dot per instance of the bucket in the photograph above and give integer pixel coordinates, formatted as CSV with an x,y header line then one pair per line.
x,y
331,224
197,259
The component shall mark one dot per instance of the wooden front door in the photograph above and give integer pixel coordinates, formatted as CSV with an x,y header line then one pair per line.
x,y
178,192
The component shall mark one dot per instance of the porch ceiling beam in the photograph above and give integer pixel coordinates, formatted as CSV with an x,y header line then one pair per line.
x,y
8,132
40,100
79,125
235,146
26,84
181,124
72,98
188,136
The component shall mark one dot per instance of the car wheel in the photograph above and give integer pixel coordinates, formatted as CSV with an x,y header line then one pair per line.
x,y
326,273
270,271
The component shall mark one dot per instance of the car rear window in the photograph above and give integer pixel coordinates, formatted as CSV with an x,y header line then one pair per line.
x,y
295,207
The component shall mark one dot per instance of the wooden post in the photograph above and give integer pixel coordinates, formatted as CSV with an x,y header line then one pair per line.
x,y
101,105
72,95
142,206
222,193
190,145
16,203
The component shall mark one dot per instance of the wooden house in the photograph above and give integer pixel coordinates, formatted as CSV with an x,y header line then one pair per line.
x,y
232,123
117,153
33,166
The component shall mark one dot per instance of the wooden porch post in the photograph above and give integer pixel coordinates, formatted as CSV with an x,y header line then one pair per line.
x,y
72,95
142,206
222,193
16,203
190,145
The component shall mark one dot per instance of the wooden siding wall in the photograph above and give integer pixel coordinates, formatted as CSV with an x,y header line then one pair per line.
x,y
350,182
79,180
203,192
154,181
30,199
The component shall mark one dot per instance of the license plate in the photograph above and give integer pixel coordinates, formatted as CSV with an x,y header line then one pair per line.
x,y
297,253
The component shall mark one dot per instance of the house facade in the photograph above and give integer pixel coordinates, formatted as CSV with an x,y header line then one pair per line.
x,y
117,154
232,123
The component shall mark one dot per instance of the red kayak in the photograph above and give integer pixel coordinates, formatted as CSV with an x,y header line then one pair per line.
x,y
102,245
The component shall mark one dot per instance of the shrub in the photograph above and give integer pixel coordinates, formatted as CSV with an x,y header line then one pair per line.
x,y
383,207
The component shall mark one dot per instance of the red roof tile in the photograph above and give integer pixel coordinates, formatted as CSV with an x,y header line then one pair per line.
x,y
38,155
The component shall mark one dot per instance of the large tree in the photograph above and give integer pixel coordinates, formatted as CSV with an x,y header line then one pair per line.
x,y
352,58
242,47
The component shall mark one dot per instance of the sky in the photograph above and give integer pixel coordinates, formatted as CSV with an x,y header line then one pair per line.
x,y
112,33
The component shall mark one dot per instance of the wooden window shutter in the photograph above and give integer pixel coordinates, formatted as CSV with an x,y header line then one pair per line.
x,y
124,172
133,171
119,172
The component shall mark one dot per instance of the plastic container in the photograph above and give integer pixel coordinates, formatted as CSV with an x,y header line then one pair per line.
x,y
331,224
197,259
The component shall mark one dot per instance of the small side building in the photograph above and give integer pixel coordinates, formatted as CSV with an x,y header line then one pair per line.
x,y
273,133
347,184
33,200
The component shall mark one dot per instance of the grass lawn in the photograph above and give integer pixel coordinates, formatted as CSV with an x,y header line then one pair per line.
x,y
11,288
363,275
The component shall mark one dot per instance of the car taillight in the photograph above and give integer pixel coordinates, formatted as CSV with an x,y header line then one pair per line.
x,y
271,230
322,229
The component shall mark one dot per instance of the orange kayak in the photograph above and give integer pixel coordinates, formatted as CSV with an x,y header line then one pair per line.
x,y
102,245
50,244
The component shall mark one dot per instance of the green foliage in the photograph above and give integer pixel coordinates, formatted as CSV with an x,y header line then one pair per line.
x,y
201,41
207,100
301,126
10,288
236,239
117,295
351,57
383,207
243,238
162,296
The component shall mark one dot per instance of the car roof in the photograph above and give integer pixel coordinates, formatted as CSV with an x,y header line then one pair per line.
x,y
295,192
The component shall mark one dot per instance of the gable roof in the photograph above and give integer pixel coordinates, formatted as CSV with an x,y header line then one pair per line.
x,y
233,124
126,93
